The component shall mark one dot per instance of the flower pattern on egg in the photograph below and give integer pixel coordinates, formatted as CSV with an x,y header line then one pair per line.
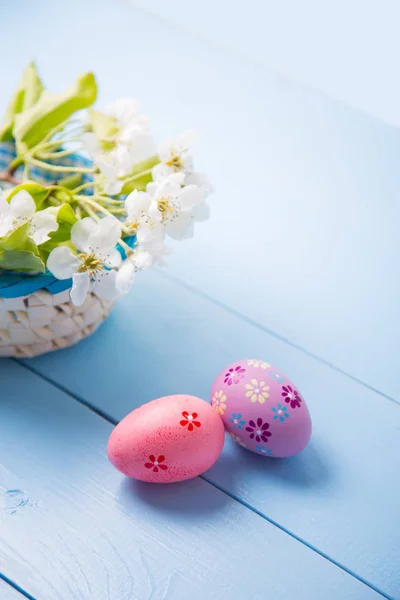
x,y
281,412
258,430
189,420
237,421
257,391
276,376
234,375
254,362
291,396
264,450
156,463
219,402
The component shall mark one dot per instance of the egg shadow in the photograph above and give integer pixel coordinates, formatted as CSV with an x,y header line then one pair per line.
x,y
310,469
189,499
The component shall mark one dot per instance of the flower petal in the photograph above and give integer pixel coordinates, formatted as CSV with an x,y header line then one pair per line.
x,y
6,223
150,233
181,228
62,263
190,196
80,288
5,208
113,187
105,235
125,277
112,259
170,186
22,205
91,143
42,223
136,204
142,259
105,285
80,233
161,171
201,180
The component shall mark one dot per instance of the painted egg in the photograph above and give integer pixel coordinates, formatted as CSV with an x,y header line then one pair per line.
x,y
261,408
169,439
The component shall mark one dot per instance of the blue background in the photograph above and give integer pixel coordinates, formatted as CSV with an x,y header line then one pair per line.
x,y
298,265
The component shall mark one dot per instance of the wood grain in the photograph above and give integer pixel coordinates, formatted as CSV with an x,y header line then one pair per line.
x,y
284,36
339,495
9,593
76,529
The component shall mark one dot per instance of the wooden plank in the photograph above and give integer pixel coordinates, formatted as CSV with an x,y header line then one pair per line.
x,y
7,592
283,36
339,495
303,236
76,529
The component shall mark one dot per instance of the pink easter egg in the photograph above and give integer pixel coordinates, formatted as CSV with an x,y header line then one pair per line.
x,y
261,408
169,439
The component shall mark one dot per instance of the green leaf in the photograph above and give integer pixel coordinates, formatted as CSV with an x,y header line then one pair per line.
x,y
21,260
66,215
137,183
47,247
29,91
14,107
32,85
71,181
52,110
16,239
140,175
105,127
38,192
66,218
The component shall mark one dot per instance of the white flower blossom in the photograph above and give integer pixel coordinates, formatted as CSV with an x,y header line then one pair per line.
x,y
150,254
175,156
172,205
127,111
21,210
94,263
201,212
147,229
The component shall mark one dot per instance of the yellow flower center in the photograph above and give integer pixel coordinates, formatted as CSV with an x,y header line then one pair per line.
x,y
175,162
165,207
133,227
90,263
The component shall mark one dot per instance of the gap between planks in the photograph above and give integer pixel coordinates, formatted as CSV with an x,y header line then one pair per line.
x,y
16,587
113,421
274,334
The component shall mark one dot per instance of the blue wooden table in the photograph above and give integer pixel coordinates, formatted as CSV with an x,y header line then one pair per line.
x,y
299,265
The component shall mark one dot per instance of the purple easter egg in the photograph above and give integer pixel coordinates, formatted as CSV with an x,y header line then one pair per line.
x,y
261,408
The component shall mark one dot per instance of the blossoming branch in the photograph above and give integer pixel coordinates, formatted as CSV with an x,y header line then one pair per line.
x,y
98,220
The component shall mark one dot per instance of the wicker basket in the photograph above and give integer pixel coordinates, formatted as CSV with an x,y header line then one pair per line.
x,y
42,322
42,319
